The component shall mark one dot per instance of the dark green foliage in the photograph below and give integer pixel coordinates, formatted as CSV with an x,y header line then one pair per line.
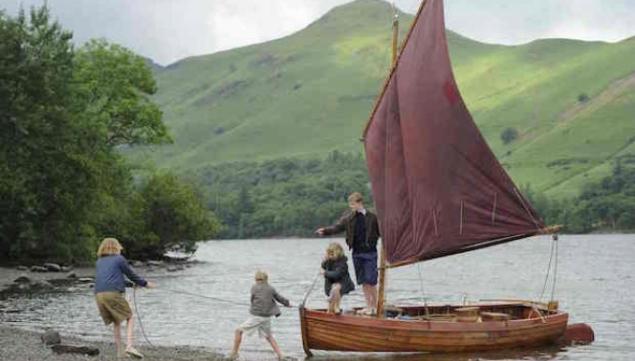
x,y
583,98
113,87
605,205
175,216
42,165
63,114
285,197
509,135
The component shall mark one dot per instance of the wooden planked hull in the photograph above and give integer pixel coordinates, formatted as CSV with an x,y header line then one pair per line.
x,y
324,331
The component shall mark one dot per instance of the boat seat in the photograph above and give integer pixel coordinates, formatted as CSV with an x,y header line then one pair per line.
x,y
467,314
495,316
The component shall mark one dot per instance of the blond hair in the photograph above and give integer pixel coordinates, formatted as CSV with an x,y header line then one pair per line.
x,y
355,197
261,276
109,246
334,249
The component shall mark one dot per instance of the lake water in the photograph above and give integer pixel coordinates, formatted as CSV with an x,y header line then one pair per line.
x,y
594,284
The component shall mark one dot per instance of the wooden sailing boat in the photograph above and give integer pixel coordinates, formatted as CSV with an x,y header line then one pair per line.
x,y
439,190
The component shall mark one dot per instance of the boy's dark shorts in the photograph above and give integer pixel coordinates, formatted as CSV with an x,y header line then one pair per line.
x,y
365,268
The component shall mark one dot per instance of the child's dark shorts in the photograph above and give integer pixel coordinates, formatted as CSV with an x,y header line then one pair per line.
x,y
365,268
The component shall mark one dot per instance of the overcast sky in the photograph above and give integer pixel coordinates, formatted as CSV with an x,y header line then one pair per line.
x,y
169,30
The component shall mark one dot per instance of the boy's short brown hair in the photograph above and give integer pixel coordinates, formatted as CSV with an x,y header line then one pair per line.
x,y
355,197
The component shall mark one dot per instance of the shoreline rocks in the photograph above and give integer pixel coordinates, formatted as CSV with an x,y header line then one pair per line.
x,y
81,350
51,337
52,267
38,269
19,345
22,279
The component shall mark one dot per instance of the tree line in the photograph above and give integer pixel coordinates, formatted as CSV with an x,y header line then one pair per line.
x,y
604,205
282,197
291,197
65,114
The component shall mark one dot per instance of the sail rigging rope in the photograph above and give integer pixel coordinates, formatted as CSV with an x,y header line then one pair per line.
x,y
553,259
544,285
423,295
555,266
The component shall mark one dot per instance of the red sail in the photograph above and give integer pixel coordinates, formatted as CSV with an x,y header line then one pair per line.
x,y
438,188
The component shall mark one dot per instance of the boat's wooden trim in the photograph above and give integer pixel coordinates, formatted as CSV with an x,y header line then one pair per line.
x,y
551,229
324,331
303,328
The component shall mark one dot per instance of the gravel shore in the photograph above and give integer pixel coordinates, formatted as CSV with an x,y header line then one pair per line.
x,y
20,345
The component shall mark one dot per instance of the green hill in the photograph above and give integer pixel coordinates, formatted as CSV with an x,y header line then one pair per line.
x,y
572,102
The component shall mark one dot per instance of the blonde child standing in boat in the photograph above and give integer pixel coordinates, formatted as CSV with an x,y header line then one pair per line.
x,y
337,281
263,306
110,286
362,233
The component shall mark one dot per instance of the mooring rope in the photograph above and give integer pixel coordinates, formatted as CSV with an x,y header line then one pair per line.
x,y
136,309
212,298
217,299
308,292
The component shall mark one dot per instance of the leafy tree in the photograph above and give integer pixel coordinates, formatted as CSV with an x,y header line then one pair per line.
x,y
113,88
45,172
175,217
63,115
509,135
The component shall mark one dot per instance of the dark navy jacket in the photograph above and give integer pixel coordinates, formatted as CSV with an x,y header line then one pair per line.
x,y
110,273
336,271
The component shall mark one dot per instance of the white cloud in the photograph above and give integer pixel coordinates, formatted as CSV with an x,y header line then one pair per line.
x,y
168,30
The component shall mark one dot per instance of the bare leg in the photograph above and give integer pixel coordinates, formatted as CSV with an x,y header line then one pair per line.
x,y
130,330
238,337
334,298
370,293
369,303
373,295
117,333
275,347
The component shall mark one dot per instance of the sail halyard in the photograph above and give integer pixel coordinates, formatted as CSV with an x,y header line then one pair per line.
x,y
439,189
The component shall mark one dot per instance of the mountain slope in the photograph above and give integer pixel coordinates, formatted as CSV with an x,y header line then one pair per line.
x,y
572,102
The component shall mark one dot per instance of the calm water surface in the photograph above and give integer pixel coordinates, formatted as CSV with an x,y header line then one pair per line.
x,y
594,284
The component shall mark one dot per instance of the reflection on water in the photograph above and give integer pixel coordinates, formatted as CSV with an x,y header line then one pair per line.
x,y
595,286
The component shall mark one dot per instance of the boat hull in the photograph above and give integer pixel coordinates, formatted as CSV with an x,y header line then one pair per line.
x,y
324,331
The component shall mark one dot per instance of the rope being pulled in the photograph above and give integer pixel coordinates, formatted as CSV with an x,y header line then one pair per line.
x,y
211,298
143,331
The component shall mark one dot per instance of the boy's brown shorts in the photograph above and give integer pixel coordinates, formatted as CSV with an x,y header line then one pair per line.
x,y
113,307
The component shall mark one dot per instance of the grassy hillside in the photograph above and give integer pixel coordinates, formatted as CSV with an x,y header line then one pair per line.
x,y
572,102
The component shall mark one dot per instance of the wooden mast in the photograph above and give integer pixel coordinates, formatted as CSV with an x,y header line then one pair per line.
x,y
382,249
